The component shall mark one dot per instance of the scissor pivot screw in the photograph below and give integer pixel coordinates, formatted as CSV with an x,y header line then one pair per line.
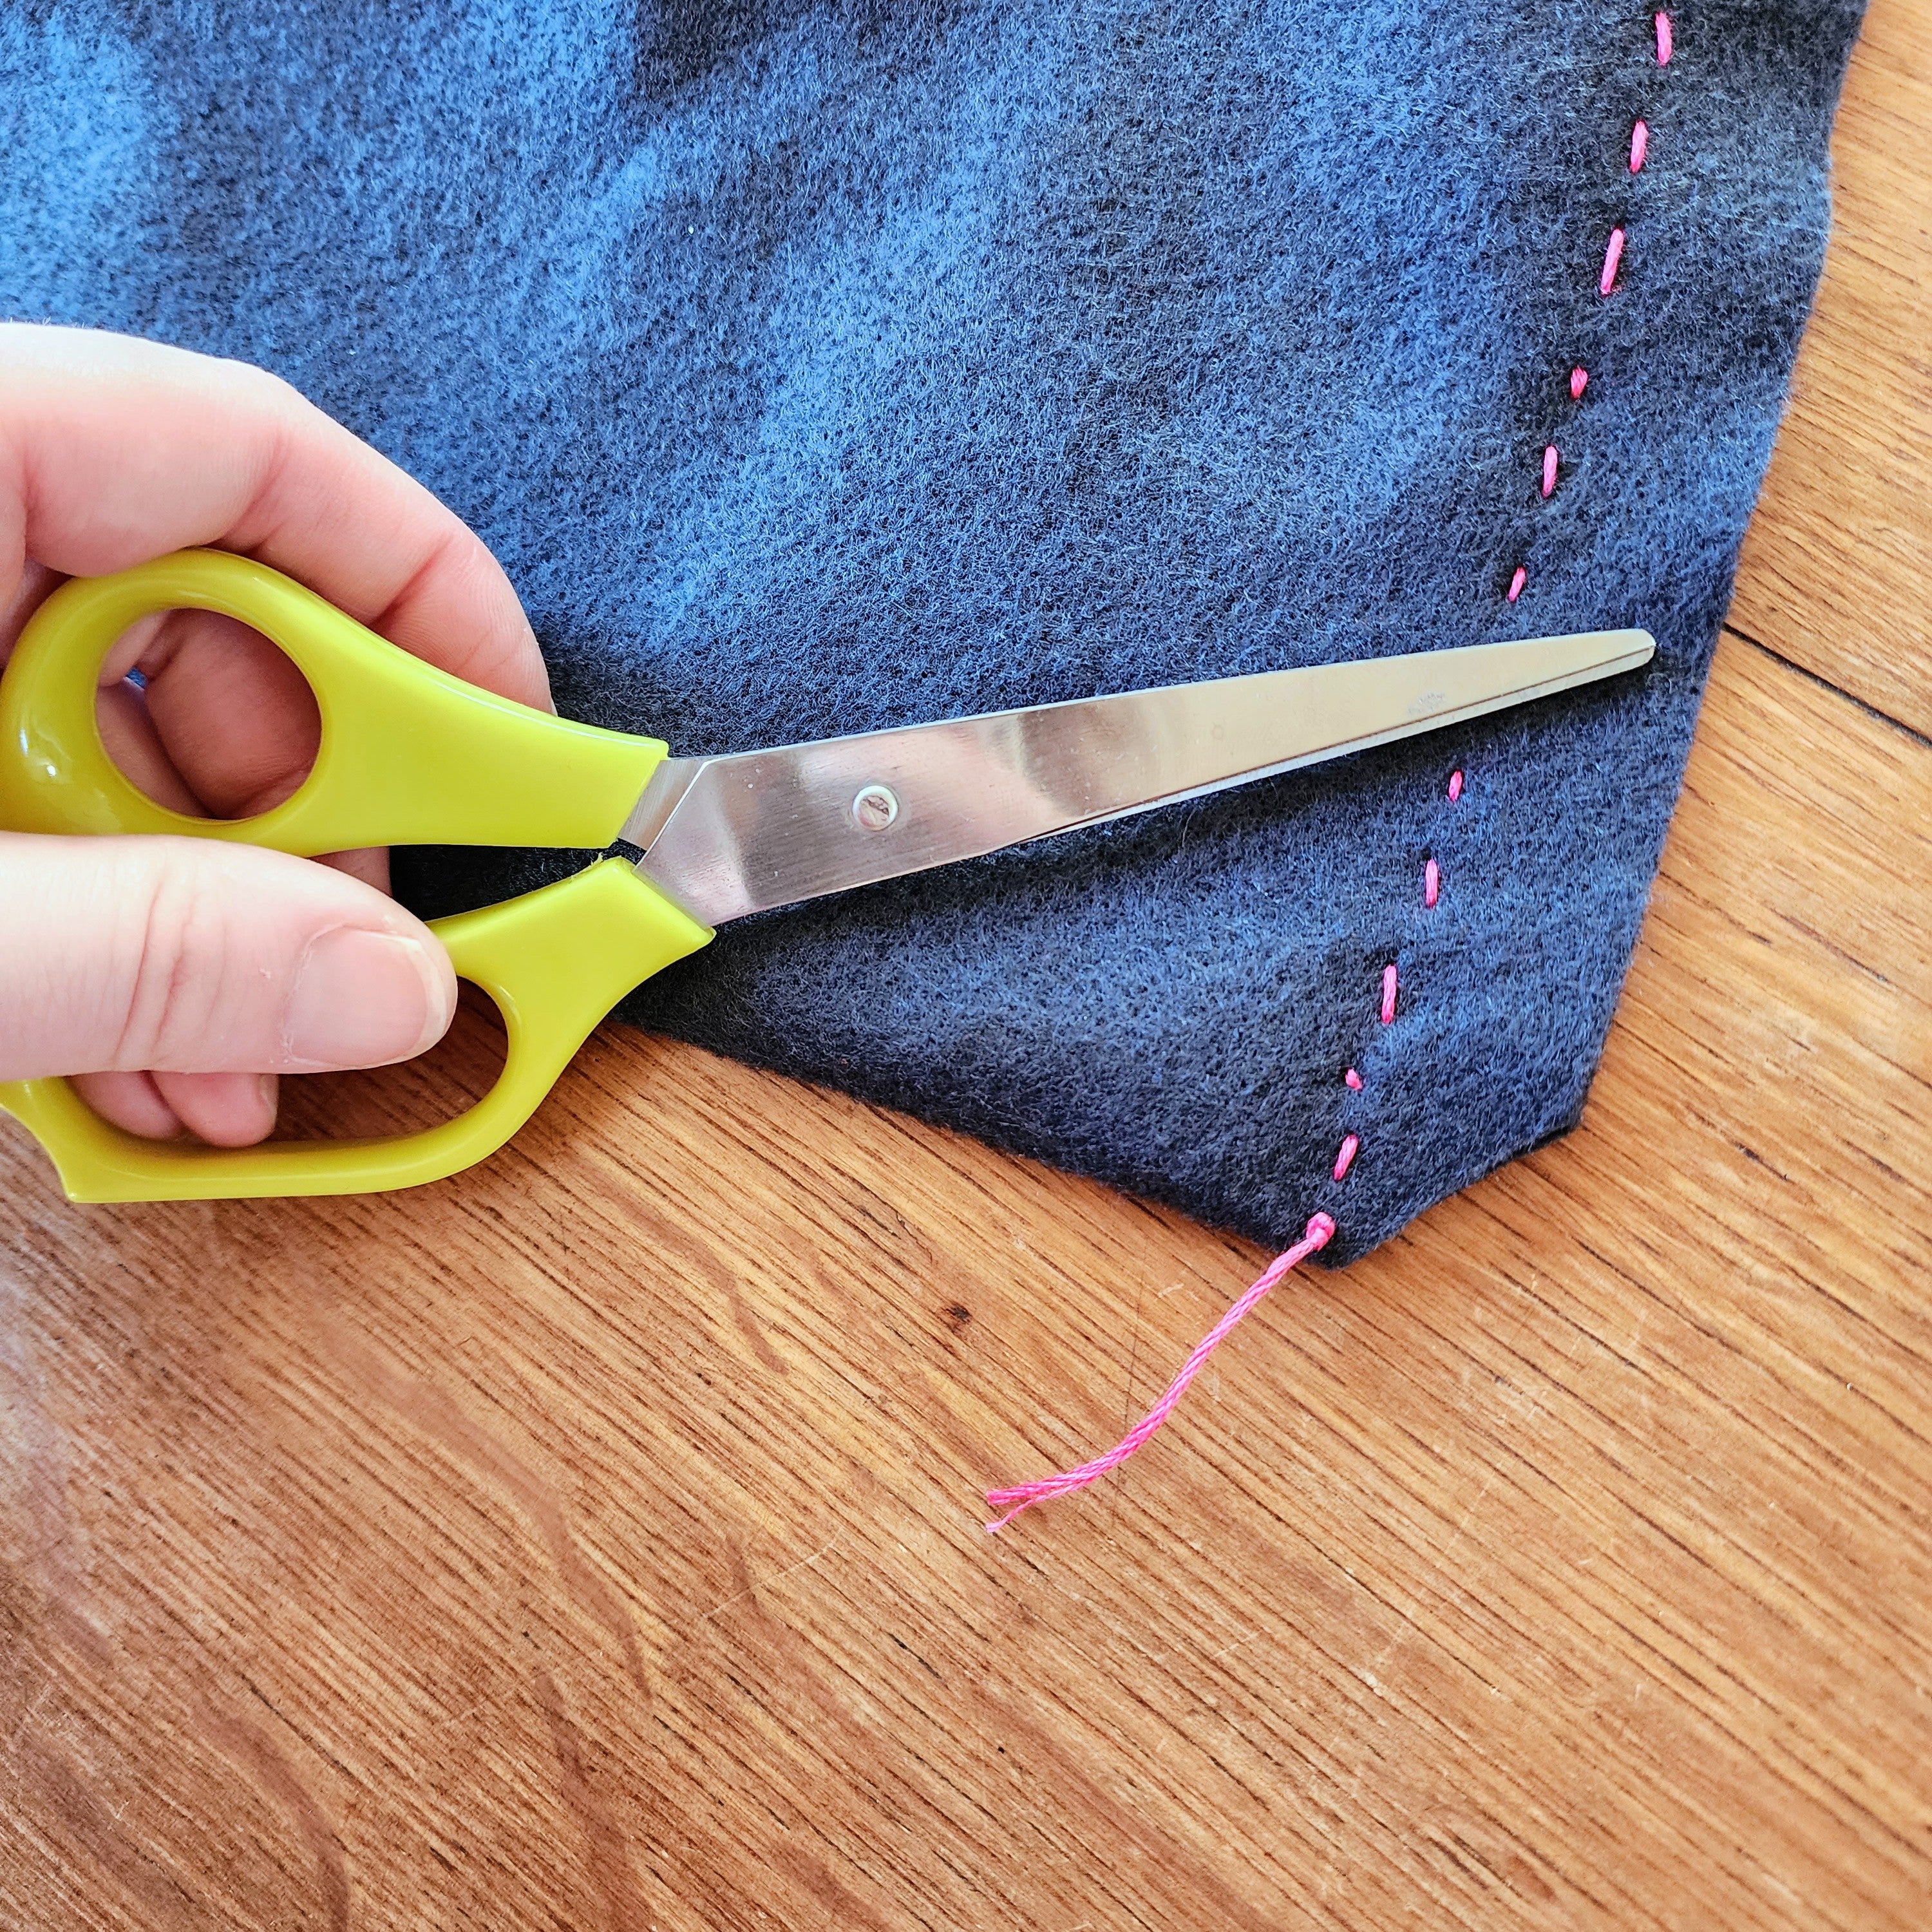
x,y
875,808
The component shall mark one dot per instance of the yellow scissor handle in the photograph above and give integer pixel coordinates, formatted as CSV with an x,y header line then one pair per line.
x,y
409,755
555,960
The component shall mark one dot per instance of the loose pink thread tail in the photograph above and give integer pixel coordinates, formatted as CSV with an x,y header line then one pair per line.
x,y
1549,469
1432,884
1639,147
1580,381
1517,582
1345,1155
1612,255
1663,40
1024,1496
1388,994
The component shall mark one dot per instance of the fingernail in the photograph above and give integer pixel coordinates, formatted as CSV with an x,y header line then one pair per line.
x,y
363,999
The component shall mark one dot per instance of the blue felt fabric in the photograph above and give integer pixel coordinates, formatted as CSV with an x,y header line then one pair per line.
x,y
813,368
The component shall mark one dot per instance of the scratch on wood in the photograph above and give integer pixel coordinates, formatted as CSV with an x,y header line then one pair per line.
x,y
804,1562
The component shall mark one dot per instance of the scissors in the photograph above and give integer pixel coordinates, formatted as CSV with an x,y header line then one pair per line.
x,y
410,755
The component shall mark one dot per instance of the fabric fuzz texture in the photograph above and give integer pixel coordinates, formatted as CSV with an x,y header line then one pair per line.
x,y
817,367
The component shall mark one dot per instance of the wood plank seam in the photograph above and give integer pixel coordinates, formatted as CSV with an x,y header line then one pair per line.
x,y
1818,678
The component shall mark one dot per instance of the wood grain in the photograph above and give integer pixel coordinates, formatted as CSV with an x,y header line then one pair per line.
x,y
1833,567
593,1542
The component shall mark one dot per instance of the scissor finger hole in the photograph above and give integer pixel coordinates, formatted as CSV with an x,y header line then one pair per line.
x,y
435,1086
205,716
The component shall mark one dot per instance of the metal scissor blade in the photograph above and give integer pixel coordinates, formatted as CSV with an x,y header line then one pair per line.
x,y
727,836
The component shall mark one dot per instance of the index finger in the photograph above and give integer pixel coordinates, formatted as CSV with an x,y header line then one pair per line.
x,y
114,450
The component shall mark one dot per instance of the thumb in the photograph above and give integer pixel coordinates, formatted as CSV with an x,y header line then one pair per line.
x,y
183,955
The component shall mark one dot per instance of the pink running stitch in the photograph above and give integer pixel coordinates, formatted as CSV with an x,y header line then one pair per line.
x,y
1321,1228
1612,255
1023,1495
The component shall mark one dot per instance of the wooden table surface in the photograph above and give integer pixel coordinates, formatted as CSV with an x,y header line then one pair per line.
x,y
594,1542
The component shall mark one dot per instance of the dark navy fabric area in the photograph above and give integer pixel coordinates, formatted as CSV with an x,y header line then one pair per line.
x,y
814,367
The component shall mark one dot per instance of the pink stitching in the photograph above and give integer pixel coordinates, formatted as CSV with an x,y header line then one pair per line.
x,y
1320,1232
1023,1495
1321,1229
1606,283
1612,255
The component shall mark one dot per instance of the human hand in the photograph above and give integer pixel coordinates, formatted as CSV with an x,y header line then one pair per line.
x,y
177,977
